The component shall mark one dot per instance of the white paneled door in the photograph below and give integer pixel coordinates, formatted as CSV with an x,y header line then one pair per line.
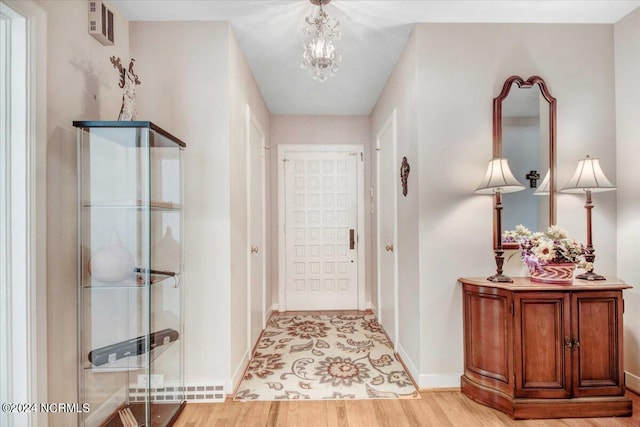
x,y
321,223
256,227
388,173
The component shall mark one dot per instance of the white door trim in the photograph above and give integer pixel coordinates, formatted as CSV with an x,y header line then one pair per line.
x,y
283,149
252,121
390,122
27,305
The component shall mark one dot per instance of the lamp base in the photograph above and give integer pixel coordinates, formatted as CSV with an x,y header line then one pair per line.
x,y
590,276
500,278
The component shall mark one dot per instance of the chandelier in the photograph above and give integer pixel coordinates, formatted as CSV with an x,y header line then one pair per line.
x,y
321,56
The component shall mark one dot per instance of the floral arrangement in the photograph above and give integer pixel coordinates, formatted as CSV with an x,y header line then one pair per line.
x,y
553,247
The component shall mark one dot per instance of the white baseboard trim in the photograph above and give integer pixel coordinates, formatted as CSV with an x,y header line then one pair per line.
x,y
632,382
274,308
372,307
233,382
439,380
408,363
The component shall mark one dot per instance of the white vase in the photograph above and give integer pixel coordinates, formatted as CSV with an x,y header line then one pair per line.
x,y
112,263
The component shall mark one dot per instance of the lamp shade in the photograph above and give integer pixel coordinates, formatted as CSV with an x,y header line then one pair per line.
x,y
499,179
543,188
588,176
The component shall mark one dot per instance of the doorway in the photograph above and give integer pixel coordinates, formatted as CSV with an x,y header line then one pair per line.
x,y
321,233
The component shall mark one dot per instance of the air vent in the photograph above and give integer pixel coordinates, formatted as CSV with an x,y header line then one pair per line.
x,y
192,392
101,22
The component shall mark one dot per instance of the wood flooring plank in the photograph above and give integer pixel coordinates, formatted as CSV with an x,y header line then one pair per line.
x,y
435,408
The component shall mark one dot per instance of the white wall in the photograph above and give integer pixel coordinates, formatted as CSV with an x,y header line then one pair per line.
x,y
316,130
82,85
448,132
400,93
184,69
205,90
627,66
243,91
457,82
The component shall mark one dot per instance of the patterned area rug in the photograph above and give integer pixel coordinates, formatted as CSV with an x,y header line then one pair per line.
x,y
324,357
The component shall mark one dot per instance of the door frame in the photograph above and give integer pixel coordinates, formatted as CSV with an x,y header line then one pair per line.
x,y
251,120
26,302
392,121
283,150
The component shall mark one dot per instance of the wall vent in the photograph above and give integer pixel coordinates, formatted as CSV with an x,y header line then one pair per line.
x,y
101,22
193,392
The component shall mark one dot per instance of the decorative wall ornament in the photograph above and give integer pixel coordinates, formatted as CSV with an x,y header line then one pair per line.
x,y
321,55
404,175
128,82
533,176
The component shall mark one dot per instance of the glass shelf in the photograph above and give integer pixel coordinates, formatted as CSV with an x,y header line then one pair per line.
x,y
135,283
134,204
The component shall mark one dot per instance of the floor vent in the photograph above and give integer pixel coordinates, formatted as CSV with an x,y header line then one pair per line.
x,y
193,392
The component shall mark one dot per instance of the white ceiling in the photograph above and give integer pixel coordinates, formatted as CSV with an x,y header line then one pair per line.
x,y
374,33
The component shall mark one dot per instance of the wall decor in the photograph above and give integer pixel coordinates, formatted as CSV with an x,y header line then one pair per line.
x,y
533,177
128,82
524,131
404,175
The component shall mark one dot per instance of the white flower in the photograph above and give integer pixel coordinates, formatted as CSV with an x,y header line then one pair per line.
x,y
556,232
545,251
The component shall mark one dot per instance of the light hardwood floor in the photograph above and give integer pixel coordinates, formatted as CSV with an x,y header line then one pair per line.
x,y
435,408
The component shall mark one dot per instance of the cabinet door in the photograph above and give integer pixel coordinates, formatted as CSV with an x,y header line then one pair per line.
x,y
541,324
488,344
597,335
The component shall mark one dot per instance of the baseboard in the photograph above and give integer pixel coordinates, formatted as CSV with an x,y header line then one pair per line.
x,y
439,380
270,311
372,307
234,381
632,382
408,363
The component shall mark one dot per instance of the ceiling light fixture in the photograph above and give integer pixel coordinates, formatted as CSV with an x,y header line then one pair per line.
x,y
321,55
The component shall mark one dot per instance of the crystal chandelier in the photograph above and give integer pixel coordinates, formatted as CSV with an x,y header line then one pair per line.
x,y
321,56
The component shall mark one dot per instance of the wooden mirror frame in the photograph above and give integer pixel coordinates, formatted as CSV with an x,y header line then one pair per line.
x,y
497,139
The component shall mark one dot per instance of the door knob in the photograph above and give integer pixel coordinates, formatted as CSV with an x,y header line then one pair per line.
x,y
352,239
389,248
254,249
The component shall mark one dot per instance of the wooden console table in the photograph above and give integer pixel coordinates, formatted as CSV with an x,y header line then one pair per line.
x,y
534,350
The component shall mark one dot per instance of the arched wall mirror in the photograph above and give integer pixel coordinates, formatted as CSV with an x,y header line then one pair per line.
x,y
524,132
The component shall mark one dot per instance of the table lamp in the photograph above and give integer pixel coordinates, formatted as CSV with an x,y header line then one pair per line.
x,y
497,180
588,178
543,188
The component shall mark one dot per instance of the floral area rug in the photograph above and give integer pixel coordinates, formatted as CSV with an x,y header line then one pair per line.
x,y
319,357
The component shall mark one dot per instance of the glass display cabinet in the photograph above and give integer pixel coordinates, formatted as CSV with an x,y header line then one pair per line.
x,y
130,264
